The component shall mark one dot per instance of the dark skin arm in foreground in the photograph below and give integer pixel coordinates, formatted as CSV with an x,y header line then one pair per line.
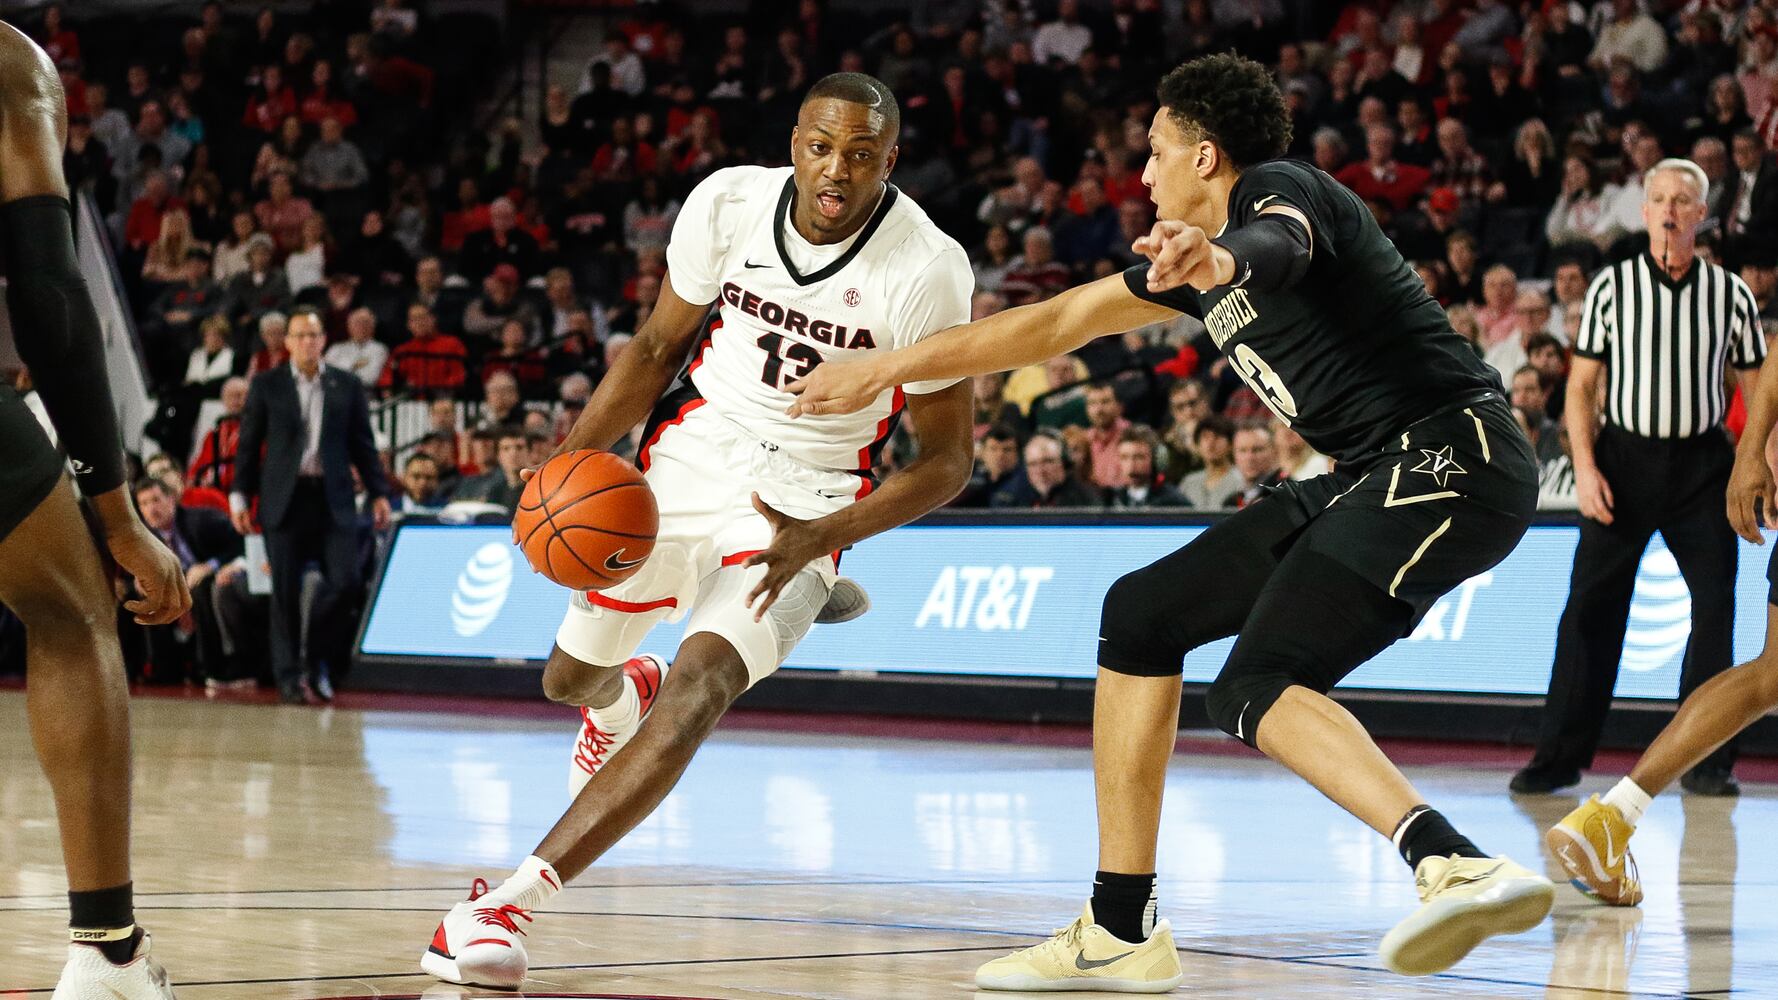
x,y
943,425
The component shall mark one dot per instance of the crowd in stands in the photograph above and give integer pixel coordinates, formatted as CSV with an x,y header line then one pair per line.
x,y
249,167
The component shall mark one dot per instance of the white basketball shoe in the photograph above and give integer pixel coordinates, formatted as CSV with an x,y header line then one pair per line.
x,y
89,975
477,944
598,741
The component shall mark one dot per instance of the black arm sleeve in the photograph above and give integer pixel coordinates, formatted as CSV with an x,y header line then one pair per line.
x,y
1271,252
57,332
1184,298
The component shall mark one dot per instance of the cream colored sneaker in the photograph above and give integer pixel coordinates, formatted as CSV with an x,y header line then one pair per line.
x,y
1593,844
1085,956
1463,902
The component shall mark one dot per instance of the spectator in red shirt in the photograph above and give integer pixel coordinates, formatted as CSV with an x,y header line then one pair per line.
x,y
524,364
1105,428
429,360
214,465
624,157
471,216
1380,177
273,102
324,101
282,214
55,37
143,226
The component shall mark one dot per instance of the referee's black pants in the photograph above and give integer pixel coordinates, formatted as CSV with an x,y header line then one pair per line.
x,y
1677,487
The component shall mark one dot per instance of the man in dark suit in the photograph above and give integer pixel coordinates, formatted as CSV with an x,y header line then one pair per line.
x,y
204,543
1749,206
305,429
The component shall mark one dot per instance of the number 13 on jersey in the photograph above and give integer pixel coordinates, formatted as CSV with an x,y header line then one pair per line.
x,y
778,351
1261,378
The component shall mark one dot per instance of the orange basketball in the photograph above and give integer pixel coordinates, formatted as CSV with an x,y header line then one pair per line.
x,y
587,520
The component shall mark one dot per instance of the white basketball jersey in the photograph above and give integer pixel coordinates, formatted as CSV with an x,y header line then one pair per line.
x,y
786,305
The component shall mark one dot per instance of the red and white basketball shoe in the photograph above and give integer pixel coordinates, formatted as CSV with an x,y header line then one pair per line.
x,y
597,743
478,945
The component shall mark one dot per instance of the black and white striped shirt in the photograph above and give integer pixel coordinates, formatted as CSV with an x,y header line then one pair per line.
x,y
1667,342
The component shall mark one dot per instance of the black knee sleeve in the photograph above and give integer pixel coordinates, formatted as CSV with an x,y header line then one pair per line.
x,y
1316,622
1132,638
57,333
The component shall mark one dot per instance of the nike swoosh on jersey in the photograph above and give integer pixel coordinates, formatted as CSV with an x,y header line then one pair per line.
x,y
752,264
612,562
1085,964
1262,202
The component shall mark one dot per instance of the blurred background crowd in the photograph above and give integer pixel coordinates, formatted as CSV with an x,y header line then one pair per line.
x,y
479,269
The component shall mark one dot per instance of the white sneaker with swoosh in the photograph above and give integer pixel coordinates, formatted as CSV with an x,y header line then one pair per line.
x,y
598,742
1085,956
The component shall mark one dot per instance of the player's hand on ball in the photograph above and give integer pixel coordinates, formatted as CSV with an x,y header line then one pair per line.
x,y
1749,486
795,544
165,596
1179,254
837,387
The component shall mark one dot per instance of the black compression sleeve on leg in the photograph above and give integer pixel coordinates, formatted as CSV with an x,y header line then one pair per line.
x,y
57,332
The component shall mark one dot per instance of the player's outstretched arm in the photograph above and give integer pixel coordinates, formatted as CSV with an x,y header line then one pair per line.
x,y
1015,338
943,423
643,371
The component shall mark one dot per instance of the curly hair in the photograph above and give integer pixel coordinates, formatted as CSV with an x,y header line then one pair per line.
x,y
1231,101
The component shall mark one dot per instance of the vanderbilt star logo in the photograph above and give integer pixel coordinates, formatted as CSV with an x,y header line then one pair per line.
x,y
1439,465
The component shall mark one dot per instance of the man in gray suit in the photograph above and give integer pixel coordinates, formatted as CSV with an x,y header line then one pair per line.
x,y
313,423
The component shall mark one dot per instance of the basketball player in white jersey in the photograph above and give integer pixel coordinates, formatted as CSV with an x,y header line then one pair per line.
x,y
793,266
51,574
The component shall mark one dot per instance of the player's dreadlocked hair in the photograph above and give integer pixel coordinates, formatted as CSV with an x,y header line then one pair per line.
x,y
1231,101
860,88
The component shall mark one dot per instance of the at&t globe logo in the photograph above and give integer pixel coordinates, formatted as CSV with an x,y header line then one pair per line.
x,y
481,589
1660,613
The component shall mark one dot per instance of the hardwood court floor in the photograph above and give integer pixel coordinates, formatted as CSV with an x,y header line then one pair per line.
x,y
292,853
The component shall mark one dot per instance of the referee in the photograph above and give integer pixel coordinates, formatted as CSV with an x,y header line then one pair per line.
x,y
1656,333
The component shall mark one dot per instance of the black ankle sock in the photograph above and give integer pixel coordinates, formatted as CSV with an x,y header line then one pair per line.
x,y
97,917
1124,905
1424,832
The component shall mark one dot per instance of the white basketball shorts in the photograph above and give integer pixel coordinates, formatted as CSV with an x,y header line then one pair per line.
x,y
704,470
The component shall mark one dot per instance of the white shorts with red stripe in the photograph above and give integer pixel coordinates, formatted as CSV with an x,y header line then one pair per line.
x,y
704,470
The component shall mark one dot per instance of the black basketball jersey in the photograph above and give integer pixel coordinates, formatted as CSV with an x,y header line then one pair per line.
x,y
1353,353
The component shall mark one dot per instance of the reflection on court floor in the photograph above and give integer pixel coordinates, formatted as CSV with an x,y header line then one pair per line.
x,y
287,853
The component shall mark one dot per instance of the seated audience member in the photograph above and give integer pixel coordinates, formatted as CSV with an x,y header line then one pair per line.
x,y
428,361
214,466
1529,390
992,408
996,468
501,403
1256,462
262,287
213,360
442,446
514,358
1296,460
1213,485
1047,482
1105,430
204,542
500,485
499,302
360,353
419,485
1143,486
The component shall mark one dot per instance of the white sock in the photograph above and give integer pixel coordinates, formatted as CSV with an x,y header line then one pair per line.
x,y
1628,798
622,714
529,887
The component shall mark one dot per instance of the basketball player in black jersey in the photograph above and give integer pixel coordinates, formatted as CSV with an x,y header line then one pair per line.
x,y
51,574
1319,313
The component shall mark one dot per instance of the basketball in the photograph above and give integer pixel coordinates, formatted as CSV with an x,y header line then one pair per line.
x,y
586,520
